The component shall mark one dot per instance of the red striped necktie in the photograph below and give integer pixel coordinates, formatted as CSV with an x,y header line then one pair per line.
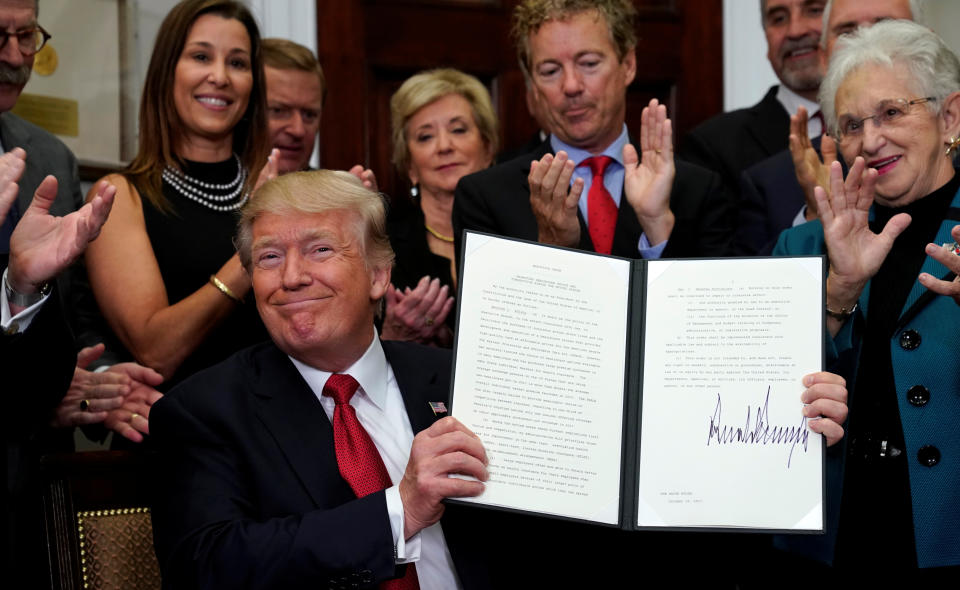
x,y
358,459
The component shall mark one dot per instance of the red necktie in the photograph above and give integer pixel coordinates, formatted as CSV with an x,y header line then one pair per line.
x,y
601,210
358,459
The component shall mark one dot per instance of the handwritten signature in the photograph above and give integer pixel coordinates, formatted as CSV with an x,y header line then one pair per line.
x,y
758,431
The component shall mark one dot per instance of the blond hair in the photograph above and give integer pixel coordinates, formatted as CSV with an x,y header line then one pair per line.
x,y
427,87
320,191
284,54
530,15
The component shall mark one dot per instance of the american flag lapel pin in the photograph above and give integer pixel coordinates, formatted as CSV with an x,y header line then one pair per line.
x,y
438,408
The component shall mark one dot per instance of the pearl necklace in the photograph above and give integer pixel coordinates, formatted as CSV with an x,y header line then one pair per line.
x,y
205,193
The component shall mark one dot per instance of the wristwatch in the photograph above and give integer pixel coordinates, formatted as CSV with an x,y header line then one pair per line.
x,y
19,299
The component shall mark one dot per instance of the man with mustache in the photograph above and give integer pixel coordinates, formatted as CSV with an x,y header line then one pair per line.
x,y
22,38
731,142
587,186
92,397
777,192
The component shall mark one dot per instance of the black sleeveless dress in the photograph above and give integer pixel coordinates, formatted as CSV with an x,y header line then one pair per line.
x,y
191,242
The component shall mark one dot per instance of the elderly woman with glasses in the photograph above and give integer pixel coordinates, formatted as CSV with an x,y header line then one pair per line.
x,y
890,230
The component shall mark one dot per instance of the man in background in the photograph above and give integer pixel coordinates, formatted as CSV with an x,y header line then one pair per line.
x,y
589,188
731,142
777,193
296,90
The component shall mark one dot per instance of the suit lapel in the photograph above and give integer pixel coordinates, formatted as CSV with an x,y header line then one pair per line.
x,y
770,120
296,420
419,384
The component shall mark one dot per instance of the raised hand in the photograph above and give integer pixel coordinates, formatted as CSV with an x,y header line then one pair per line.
x,y
366,176
554,201
810,170
11,167
418,314
855,252
270,170
42,245
947,257
648,180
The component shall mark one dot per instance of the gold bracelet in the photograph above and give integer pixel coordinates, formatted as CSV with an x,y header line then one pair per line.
x,y
843,314
224,288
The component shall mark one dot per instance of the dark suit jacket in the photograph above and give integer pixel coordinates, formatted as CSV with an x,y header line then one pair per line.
x,y
48,155
37,365
497,201
731,142
250,493
770,198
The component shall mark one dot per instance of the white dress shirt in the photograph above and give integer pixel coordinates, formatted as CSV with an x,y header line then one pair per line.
x,y
791,101
380,410
13,324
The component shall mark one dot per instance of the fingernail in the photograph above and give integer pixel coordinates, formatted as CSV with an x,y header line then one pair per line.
x,y
808,380
931,249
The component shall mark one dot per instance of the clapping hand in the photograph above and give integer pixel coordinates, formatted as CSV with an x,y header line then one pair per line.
x,y
366,176
855,252
648,181
120,397
419,314
811,171
11,167
947,257
554,201
43,245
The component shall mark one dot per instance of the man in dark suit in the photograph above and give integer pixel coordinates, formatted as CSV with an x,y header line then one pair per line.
x,y
37,356
777,192
48,155
588,187
294,463
731,142
296,89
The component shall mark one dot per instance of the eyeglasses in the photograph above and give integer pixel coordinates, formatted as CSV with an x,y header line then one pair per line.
x,y
889,113
29,41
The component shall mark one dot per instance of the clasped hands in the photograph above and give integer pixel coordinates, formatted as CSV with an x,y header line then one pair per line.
x,y
120,397
419,314
646,186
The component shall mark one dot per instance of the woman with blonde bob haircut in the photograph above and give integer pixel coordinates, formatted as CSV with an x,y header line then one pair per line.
x,y
443,128
891,98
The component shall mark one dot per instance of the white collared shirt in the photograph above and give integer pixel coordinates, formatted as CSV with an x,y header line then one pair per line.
x,y
380,410
20,322
791,101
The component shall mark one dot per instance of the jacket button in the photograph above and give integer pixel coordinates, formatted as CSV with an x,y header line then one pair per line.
x,y
909,339
928,455
918,395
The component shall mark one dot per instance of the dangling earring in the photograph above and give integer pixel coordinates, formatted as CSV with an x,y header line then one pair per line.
x,y
953,145
414,191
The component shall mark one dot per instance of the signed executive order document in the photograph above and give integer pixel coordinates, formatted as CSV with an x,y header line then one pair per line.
x,y
641,394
